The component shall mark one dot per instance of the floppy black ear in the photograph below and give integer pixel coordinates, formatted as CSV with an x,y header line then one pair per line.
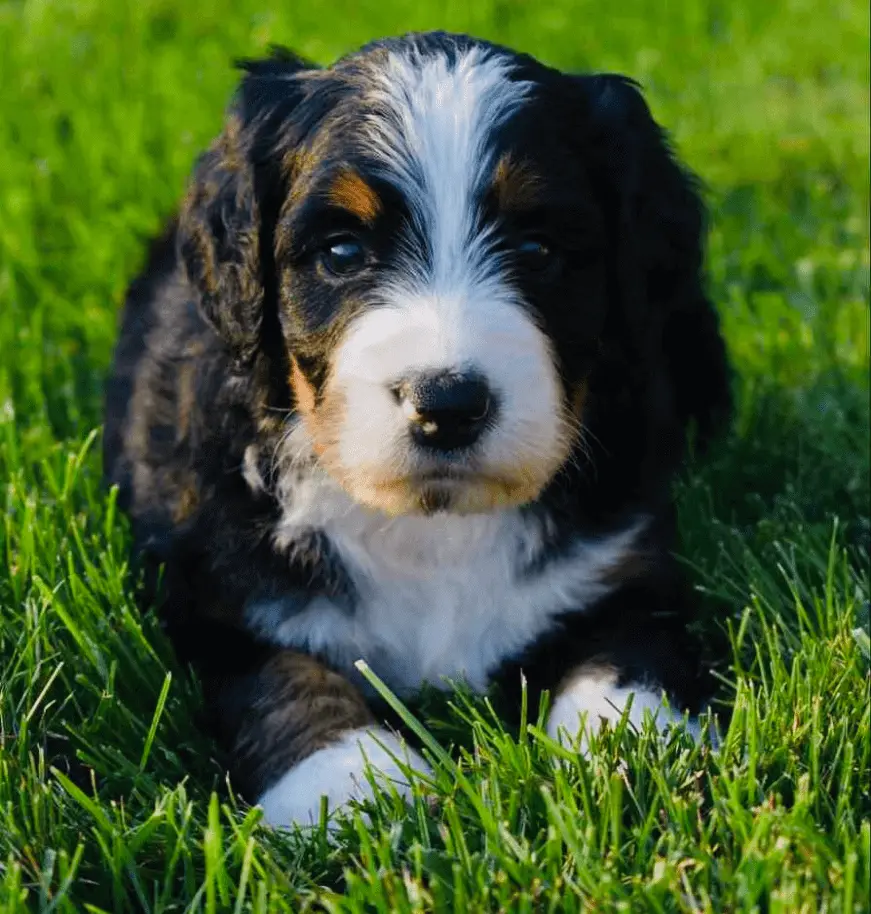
x,y
235,188
660,223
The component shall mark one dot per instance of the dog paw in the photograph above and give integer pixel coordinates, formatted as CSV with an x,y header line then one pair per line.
x,y
339,773
592,697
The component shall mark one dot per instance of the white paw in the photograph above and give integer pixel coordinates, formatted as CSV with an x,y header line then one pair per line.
x,y
339,772
594,696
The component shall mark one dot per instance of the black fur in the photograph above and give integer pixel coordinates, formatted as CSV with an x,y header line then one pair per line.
x,y
228,296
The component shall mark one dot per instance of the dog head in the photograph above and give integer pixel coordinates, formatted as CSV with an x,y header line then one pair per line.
x,y
435,243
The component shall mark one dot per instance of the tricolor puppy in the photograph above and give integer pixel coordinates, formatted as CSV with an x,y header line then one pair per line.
x,y
408,379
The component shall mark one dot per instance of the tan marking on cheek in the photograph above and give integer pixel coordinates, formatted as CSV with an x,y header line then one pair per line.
x,y
323,420
515,184
351,192
303,391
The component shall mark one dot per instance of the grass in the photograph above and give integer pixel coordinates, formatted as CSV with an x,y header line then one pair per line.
x,y
109,798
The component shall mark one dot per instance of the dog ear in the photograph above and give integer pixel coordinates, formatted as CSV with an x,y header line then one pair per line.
x,y
660,226
226,213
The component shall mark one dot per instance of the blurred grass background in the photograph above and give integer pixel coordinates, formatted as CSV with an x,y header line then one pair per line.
x,y
103,107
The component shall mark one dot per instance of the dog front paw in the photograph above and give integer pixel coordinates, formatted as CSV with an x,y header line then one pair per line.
x,y
594,696
339,773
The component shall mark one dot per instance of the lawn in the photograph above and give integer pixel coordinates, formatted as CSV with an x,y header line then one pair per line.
x,y
110,800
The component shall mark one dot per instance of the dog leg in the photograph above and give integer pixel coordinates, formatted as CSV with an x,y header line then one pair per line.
x,y
298,732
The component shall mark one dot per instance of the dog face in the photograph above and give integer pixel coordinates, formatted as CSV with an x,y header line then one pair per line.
x,y
429,247
434,228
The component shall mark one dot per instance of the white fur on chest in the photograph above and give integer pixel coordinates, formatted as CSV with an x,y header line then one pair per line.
x,y
440,597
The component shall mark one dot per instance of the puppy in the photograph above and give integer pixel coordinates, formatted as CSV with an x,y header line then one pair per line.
x,y
407,379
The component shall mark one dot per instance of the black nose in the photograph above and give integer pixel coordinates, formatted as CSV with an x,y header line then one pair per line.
x,y
447,411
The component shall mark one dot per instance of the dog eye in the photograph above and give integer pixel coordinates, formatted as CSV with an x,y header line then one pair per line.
x,y
535,253
344,256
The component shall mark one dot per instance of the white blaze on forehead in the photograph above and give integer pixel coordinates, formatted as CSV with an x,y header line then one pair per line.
x,y
434,128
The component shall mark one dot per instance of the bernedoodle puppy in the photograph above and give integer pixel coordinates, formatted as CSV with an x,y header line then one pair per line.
x,y
408,379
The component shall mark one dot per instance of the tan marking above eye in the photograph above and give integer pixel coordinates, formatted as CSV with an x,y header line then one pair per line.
x,y
515,184
349,191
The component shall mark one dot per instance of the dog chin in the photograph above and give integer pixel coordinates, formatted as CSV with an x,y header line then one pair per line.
x,y
442,495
